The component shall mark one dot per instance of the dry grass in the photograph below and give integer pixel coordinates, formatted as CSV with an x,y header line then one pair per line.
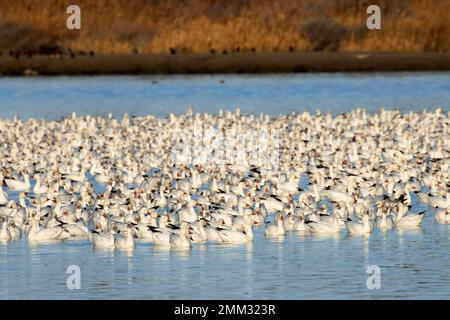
x,y
156,26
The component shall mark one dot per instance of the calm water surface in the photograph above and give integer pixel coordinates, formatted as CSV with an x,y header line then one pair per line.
x,y
414,264
53,97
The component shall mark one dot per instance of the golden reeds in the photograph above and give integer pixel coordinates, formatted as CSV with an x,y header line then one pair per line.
x,y
157,26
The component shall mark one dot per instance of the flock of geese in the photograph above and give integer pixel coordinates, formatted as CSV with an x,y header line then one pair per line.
x,y
112,181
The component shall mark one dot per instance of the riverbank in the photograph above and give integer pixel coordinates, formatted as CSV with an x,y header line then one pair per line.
x,y
221,63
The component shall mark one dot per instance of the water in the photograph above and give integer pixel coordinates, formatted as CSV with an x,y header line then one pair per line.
x,y
414,264
53,97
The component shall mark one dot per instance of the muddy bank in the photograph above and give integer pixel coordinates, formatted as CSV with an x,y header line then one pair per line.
x,y
220,63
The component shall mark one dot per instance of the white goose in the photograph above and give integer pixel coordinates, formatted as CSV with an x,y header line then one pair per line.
x,y
144,232
199,233
212,233
440,202
273,203
103,239
3,196
300,225
14,230
404,219
39,188
161,237
323,227
124,239
181,241
17,185
442,215
5,234
187,213
77,229
35,233
365,227
235,236
272,230
76,176
289,222
385,221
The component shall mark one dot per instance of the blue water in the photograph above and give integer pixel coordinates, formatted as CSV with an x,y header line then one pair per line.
x,y
414,264
53,97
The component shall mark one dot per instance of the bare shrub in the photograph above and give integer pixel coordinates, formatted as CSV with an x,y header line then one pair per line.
x,y
325,35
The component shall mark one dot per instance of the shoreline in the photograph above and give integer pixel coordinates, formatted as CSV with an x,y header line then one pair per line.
x,y
136,64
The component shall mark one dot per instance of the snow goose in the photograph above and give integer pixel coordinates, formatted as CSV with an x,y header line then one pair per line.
x,y
322,227
187,213
14,230
76,176
161,235
440,202
312,216
258,217
17,185
181,241
124,239
336,196
273,203
442,215
199,233
364,227
225,216
5,234
339,211
234,236
3,196
39,188
103,239
300,225
289,221
384,221
212,232
144,232
405,219
76,229
277,229
36,233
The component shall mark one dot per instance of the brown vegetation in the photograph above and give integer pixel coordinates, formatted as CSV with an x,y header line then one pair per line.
x,y
219,26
